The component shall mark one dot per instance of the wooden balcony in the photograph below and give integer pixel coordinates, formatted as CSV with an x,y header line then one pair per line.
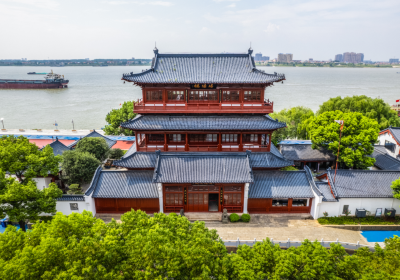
x,y
213,108
189,148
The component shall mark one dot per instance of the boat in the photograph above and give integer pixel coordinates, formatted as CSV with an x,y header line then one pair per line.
x,y
34,73
51,80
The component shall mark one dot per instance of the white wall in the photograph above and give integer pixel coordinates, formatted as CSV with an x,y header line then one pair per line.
x,y
42,183
369,204
64,207
386,136
90,205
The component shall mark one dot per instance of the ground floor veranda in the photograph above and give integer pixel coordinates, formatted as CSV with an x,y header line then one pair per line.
x,y
211,198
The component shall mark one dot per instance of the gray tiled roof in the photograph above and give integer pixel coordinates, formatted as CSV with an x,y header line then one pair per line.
x,y
203,168
124,184
58,147
326,191
304,152
213,123
362,183
71,197
203,68
280,184
131,150
383,160
395,131
257,160
138,160
94,133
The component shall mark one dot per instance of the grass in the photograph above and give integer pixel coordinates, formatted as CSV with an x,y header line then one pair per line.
x,y
358,221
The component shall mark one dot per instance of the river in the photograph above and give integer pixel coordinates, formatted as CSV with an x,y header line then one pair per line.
x,y
93,91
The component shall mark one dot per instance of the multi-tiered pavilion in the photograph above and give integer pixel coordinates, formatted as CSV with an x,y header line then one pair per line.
x,y
203,142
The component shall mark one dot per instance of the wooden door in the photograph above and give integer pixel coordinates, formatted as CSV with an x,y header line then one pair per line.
x,y
198,202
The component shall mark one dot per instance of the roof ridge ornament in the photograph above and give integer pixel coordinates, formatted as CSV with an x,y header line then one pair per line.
x,y
155,48
250,51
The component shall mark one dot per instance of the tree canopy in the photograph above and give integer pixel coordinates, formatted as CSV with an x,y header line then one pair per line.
x,y
373,108
97,146
358,136
396,188
78,167
115,153
23,159
22,202
293,117
118,116
80,246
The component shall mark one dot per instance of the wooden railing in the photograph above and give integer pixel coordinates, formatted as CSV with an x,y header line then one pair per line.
x,y
180,107
189,148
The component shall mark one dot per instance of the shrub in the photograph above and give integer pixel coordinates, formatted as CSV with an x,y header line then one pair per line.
x,y
234,217
74,189
115,153
325,214
246,218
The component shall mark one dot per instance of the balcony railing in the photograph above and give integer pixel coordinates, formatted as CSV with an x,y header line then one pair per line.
x,y
190,148
244,107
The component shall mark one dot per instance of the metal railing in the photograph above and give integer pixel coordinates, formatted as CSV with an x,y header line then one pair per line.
x,y
288,243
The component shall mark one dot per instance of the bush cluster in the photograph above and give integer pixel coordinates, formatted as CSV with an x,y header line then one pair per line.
x,y
236,218
80,246
347,220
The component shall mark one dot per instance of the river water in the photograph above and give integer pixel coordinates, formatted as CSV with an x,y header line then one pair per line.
x,y
93,91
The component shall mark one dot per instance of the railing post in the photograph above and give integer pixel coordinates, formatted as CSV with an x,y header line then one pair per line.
x,y
255,240
337,240
358,245
322,242
288,242
237,242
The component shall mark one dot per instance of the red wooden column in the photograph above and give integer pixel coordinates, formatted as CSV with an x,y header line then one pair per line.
x,y
187,142
165,142
219,142
290,200
269,142
137,140
241,142
164,95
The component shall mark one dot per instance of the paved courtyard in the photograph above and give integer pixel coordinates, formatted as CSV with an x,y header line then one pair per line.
x,y
280,227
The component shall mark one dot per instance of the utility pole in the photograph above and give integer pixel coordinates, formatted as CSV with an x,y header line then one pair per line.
x,y
2,121
341,122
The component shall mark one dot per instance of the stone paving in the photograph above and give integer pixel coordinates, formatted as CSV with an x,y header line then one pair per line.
x,y
280,228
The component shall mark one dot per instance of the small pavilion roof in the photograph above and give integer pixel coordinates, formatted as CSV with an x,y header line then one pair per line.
x,y
58,147
218,68
304,152
200,123
383,160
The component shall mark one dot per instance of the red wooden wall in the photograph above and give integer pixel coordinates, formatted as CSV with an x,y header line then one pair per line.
x,y
264,205
122,205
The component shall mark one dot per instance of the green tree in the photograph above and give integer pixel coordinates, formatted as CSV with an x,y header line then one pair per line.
x,y
293,118
118,116
373,108
396,188
78,167
115,153
358,136
74,189
22,202
23,159
97,146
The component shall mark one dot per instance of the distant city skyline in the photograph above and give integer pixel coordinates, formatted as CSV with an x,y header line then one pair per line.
x,y
55,29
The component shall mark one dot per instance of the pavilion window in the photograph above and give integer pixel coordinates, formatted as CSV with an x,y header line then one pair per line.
x,y
156,138
203,95
252,95
177,137
154,95
203,138
230,95
232,198
229,138
176,95
280,202
299,202
250,138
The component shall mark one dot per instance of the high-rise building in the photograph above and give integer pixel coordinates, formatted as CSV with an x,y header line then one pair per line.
x,y
339,57
352,57
285,57
258,57
394,60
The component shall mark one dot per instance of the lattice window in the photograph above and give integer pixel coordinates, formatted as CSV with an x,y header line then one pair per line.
x,y
230,95
156,138
173,199
203,138
229,138
154,95
232,198
252,95
177,137
250,138
203,95
176,95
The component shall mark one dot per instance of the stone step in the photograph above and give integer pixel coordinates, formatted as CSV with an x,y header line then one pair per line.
x,y
203,216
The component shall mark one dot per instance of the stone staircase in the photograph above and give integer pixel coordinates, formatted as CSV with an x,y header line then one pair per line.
x,y
203,216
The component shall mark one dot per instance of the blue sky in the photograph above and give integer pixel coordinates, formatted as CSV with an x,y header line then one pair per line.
x,y
55,29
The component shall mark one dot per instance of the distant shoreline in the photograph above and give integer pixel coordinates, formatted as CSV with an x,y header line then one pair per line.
x,y
71,66
328,66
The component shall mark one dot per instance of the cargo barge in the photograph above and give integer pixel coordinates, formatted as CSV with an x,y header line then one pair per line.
x,y
51,81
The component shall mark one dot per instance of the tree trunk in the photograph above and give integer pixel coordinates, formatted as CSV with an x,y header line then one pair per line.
x,y
22,225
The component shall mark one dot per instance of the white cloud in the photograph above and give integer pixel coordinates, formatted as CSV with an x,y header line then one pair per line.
x,y
233,5
152,3
226,0
116,2
43,4
271,28
161,3
138,19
